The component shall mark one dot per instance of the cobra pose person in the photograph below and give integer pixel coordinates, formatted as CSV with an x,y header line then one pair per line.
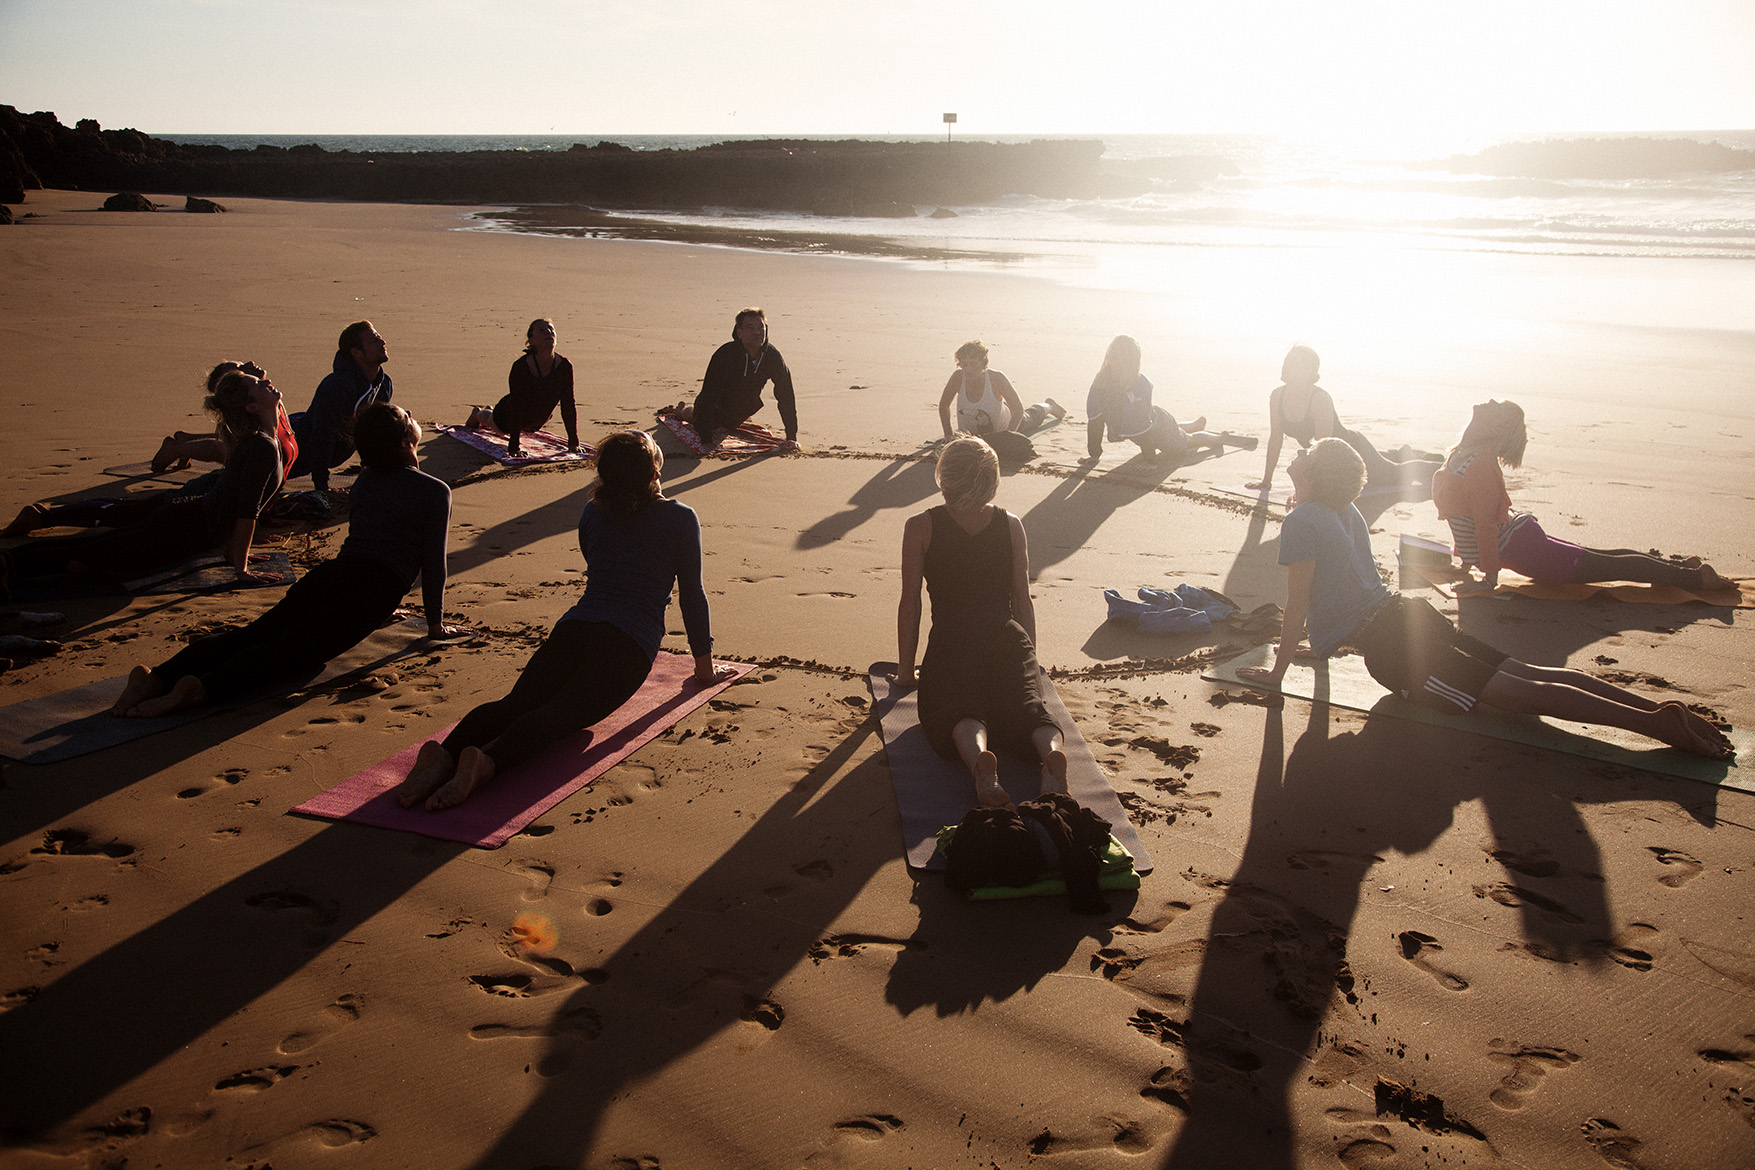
x,y
1469,490
1333,589
637,545
1300,408
397,527
539,381
731,389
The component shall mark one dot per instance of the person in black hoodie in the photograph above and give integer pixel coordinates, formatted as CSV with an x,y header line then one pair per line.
x,y
357,380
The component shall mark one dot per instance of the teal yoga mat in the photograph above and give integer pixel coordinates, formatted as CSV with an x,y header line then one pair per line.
x,y
1343,682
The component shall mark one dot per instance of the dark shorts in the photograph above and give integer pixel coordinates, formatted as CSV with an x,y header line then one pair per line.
x,y
1540,557
1416,652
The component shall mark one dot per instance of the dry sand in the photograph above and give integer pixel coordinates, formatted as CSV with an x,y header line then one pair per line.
x,y
1366,941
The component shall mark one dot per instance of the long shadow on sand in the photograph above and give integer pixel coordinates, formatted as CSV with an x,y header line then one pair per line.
x,y
654,1007
1070,515
901,483
1276,957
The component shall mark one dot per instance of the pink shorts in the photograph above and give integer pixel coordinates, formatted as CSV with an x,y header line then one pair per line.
x,y
1540,557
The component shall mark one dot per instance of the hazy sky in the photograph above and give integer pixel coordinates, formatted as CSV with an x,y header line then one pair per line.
x,y
1355,69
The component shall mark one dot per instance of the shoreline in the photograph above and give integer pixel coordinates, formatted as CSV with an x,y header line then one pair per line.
x,y
1365,938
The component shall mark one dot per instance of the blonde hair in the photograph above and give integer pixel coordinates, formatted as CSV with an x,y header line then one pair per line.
x,y
971,349
968,473
1121,364
1335,471
229,404
1301,365
1497,429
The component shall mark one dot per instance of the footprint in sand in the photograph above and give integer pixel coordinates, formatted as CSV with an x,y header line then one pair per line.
x,y
1684,868
570,1030
1141,924
1743,1056
1635,947
337,1015
321,915
846,946
1107,1132
1528,1067
77,843
765,1012
257,1079
1613,1144
1514,896
1419,948
540,874
332,1133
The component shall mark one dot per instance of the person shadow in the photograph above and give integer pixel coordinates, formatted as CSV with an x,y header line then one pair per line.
x,y
1264,1007
901,483
1066,520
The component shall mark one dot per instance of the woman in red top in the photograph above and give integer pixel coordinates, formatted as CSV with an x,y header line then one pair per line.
x,y
1469,490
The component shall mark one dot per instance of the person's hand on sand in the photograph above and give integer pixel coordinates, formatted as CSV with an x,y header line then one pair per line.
x,y
712,675
1303,650
1260,676
252,577
1474,588
789,446
906,680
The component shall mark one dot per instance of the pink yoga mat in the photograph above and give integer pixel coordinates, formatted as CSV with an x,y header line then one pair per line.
x,y
747,439
536,446
490,816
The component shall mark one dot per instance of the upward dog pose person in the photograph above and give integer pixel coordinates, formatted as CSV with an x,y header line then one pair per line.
x,y
979,678
1121,402
1302,409
636,544
120,511
538,382
1333,588
396,530
731,389
1469,490
356,380
247,407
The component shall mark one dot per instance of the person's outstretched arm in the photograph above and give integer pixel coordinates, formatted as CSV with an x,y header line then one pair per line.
x,y
952,384
916,535
1276,437
783,397
1484,489
1299,575
569,410
1013,404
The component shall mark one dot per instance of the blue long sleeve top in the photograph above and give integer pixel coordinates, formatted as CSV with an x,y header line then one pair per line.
x,y
631,564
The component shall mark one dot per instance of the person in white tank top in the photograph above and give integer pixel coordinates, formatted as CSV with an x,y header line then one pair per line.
x,y
984,398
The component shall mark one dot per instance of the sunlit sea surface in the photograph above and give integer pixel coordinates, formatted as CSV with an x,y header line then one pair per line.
x,y
1283,195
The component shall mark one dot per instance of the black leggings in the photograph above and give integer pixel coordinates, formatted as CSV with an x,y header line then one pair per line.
x,y
329,610
160,538
1626,564
583,672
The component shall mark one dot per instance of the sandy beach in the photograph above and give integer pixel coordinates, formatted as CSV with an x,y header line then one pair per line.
x,y
1367,942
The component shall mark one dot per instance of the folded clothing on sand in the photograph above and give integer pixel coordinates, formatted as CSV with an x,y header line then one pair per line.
x,y
1182,610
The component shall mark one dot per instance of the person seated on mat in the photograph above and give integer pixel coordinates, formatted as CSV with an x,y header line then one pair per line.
x,y
224,517
979,683
1120,402
637,544
120,511
397,529
731,389
1302,409
325,428
1333,589
1469,491
181,448
985,401
539,381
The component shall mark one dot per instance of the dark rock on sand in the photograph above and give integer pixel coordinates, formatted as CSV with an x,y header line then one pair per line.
x,y
206,206
5,215
942,213
129,201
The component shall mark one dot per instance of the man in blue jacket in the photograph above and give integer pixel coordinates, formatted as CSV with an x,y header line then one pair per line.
x,y
325,430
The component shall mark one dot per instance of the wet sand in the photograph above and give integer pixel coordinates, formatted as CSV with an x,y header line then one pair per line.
x,y
1366,940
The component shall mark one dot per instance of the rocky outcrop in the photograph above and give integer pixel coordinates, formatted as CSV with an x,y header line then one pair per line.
x,y
129,201
848,177
204,206
1601,158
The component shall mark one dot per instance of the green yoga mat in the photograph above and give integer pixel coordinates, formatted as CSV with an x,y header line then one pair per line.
x,y
1344,682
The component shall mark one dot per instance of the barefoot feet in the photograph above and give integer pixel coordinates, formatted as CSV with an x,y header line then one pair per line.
x,y
29,517
185,692
1711,579
474,768
988,793
1681,728
1054,772
141,685
433,767
169,452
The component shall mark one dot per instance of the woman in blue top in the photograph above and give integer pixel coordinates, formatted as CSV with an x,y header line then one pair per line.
x,y
399,517
1120,402
1333,589
637,544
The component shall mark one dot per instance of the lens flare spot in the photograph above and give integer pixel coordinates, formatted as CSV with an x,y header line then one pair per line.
x,y
535,933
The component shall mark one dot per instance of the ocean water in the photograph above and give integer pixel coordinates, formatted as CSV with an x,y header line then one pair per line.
x,y
1384,200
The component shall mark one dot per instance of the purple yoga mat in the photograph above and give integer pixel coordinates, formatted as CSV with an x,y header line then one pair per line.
x,y
491,816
